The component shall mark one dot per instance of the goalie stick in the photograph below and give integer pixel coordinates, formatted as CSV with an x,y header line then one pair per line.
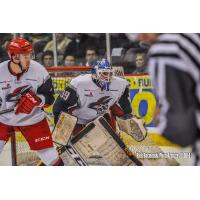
x,y
73,153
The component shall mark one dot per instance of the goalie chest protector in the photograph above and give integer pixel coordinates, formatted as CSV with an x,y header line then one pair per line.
x,y
93,101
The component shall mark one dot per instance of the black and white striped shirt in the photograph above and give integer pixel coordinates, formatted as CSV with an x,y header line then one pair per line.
x,y
174,66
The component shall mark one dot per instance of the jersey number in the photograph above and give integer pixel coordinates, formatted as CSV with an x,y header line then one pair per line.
x,y
65,95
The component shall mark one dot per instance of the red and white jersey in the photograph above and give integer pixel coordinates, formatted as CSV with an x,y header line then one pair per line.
x,y
35,77
92,100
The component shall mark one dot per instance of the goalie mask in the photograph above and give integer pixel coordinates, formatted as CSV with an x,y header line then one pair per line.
x,y
102,73
20,53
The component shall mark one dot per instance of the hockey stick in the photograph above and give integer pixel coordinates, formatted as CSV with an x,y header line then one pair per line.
x,y
73,153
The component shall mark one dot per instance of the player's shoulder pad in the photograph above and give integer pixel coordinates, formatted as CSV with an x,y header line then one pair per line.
x,y
3,65
121,81
79,80
38,69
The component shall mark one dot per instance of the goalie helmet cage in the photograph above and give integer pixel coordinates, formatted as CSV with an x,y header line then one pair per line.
x,y
61,76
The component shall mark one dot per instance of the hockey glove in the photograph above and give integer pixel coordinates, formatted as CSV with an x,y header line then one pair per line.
x,y
27,103
134,126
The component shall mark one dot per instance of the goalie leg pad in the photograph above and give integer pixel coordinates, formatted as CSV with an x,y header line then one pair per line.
x,y
64,128
98,144
48,156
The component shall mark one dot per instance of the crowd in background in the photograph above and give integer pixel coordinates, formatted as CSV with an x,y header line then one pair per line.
x,y
79,49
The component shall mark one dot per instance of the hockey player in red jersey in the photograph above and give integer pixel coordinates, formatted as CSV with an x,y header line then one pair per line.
x,y
26,86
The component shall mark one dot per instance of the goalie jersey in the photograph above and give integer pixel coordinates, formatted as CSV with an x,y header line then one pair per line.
x,y
38,78
87,101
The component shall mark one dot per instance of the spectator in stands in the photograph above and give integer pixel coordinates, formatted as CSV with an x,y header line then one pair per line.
x,y
129,60
4,39
47,59
118,40
78,46
39,41
140,61
100,42
3,54
69,60
90,56
62,42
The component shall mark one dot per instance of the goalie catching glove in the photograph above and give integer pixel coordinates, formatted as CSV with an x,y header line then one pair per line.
x,y
27,103
133,126
128,123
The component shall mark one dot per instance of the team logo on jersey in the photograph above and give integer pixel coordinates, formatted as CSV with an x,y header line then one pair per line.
x,y
8,86
16,94
89,95
6,81
89,90
101,105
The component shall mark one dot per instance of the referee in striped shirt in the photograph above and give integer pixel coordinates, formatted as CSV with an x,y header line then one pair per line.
x,y
174,66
